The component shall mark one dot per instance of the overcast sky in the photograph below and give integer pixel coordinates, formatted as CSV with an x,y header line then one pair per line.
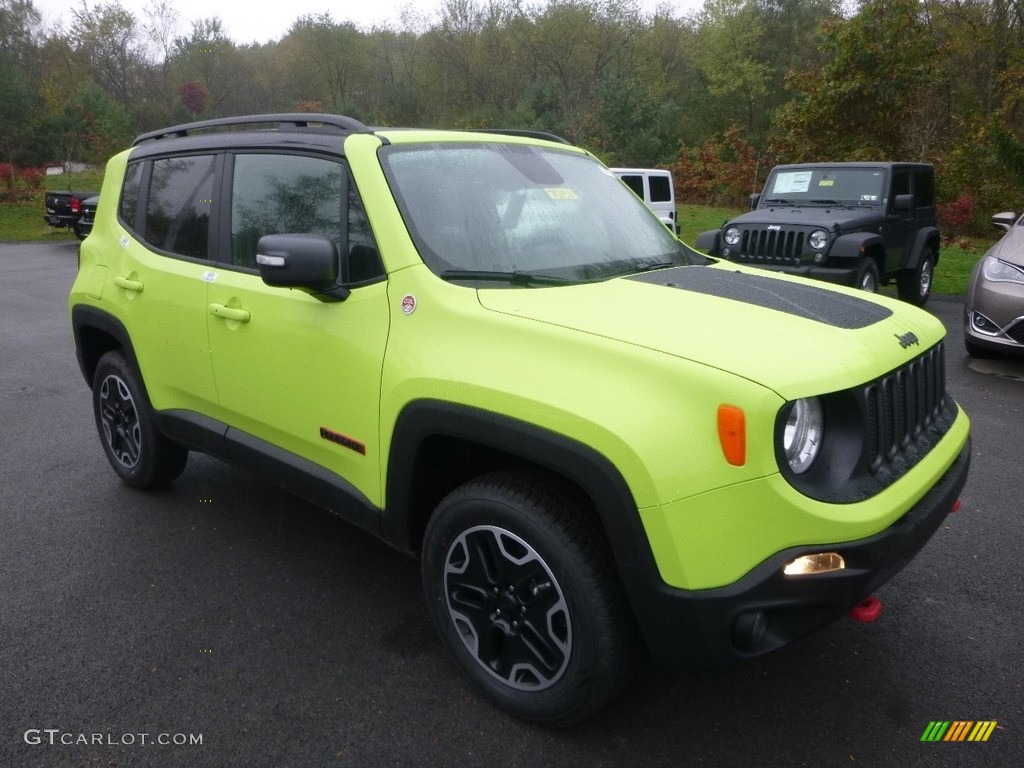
x,y
247,21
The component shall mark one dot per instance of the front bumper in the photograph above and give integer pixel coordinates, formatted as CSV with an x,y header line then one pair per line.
x,y
837,275
56,220
766,609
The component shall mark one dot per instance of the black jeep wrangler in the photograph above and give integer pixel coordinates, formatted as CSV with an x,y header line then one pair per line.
x,y
860,224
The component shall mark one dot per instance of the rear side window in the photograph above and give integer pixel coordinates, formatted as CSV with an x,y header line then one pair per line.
x,y
924,188
178,208
661,189
130,189
634,182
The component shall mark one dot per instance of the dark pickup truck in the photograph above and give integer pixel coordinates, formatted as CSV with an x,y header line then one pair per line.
x,y
64,209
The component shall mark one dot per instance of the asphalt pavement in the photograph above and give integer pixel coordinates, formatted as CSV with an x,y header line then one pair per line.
x,y
222,622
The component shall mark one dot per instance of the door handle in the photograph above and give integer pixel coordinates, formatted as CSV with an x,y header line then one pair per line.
x,y
230,313
134,286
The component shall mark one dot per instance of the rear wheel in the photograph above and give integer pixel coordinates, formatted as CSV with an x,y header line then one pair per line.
x,y
522,589
915,285
139,453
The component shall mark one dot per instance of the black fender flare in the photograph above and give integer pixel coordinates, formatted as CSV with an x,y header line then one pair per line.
x,y
580,464
709,241
855,244
85,318
927,237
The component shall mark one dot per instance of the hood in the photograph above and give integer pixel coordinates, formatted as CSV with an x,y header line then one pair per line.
x,y
1010,247
787,334
812,216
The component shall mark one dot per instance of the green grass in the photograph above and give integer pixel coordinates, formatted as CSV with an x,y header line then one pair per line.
x,y
23,220
952,273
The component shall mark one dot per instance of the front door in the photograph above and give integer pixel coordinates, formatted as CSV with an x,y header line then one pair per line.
x,y
297,371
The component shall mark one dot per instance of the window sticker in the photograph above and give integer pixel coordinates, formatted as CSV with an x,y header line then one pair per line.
x,y
827,183
869,198
561,193
792,182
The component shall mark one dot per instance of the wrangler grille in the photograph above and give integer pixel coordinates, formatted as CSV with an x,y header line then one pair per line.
x,y
902,407
772,246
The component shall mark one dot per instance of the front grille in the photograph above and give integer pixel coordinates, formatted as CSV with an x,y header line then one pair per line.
x,y
903,409
1016,332
772,246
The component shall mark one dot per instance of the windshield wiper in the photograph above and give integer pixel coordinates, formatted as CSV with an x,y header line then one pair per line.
x,y
830,202
778,201
650,266
512,278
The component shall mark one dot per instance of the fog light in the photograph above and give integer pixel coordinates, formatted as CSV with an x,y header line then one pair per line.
x,y
986,326
822,562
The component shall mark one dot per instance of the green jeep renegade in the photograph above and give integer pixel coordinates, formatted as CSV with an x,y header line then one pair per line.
x,y
486,350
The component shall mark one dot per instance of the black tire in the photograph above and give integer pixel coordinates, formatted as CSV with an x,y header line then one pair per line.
x,y
140,455
521,586
914,286
867,275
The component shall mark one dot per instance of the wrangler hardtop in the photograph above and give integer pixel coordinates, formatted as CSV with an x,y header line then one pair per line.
x,y
862,224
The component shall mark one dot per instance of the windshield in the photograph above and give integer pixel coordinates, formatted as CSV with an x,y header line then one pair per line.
x,y
518,214
850,186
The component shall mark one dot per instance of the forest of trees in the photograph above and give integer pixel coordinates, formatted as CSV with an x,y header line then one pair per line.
x,y
719,95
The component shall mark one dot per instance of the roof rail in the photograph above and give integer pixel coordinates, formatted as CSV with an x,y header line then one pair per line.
x,y
525,133
293,119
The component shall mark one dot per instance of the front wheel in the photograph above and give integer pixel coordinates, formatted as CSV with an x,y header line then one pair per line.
x,y
522,589
867,275
915,285
139,453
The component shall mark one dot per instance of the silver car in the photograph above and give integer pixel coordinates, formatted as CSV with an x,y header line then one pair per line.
x,y
994,308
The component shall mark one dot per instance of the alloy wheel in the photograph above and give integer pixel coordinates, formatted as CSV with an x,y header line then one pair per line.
x,y
508,608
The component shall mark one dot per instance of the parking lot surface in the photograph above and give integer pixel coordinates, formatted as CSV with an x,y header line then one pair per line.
x,y
223,622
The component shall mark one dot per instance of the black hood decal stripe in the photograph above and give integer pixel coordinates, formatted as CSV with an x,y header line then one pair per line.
x,y
806,301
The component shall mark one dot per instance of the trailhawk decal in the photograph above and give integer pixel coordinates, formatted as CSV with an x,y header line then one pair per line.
x,y
806,301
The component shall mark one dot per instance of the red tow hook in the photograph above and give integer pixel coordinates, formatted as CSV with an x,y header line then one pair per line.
x,y
956,506
867,610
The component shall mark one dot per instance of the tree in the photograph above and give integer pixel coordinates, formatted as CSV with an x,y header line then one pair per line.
x,y
324,61
112,46
876,94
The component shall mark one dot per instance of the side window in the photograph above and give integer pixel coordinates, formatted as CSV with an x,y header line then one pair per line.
x,y
634,182
279,194
924,188
900,183
292,194
178,207
661,189
363,259
129,205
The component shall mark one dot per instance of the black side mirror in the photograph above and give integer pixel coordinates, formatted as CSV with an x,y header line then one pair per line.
x,y
754,200
905,202
308,262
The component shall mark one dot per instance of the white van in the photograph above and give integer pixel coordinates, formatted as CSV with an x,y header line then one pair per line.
x,y
654,187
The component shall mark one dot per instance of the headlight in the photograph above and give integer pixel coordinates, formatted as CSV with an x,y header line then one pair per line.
x,y
732,235
998,271
818,239
801,439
